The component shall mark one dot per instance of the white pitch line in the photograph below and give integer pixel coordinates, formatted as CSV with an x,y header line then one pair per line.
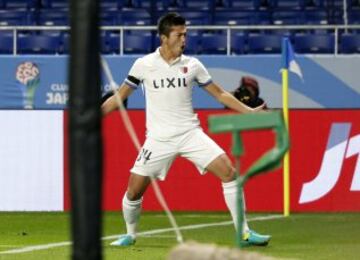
x,y
36,248
144,233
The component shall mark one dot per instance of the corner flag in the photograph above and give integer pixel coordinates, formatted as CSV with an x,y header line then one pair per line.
x,y
288,58
288,64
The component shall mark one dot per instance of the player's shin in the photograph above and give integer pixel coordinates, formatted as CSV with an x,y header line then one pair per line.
x,y
131,213
230,191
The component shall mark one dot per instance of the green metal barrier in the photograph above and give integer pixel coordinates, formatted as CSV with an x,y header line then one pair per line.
x,y
268,161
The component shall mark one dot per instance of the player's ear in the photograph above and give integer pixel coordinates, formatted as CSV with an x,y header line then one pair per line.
x,y
162,38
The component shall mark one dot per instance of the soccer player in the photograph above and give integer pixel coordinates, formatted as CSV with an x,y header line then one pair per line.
x,y
173,128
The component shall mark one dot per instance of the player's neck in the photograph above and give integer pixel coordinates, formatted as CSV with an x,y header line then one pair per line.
x,y
167,54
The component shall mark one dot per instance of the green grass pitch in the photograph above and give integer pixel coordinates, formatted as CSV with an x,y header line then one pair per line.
x,y
300,236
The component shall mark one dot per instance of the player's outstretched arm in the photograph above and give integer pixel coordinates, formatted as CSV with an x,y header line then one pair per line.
x,y
110,104
229,100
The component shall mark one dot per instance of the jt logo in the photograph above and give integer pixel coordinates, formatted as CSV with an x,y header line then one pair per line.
x,y
339,147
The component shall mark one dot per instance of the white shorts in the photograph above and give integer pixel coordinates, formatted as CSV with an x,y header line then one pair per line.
x,y
156,157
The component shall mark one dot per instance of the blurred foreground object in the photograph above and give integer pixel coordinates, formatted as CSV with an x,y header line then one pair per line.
x,y
196,251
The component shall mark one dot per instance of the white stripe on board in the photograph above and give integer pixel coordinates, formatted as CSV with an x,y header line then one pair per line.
x,y
145,233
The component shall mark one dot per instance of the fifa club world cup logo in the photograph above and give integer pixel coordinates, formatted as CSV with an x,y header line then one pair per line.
x,y
28,74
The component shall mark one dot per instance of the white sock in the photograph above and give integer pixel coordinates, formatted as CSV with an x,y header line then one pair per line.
x,y
230,190
131,212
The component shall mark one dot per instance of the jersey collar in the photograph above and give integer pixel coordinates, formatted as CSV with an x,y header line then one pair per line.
x,y
178,59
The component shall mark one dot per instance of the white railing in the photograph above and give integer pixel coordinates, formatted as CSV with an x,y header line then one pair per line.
x,y
227,28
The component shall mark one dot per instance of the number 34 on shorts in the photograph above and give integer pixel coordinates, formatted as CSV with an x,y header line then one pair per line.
x,y
144,155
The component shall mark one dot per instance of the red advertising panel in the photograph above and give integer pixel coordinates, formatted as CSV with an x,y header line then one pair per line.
x,y
325,167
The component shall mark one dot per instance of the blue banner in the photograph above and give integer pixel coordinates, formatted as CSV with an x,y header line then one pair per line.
x,y
41,82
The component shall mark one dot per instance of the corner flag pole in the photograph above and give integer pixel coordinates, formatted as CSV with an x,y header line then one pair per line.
x,y
288,64
286,160
285,96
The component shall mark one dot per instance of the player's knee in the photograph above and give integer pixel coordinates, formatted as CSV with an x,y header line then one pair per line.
x,y
137,186
132,195
229,174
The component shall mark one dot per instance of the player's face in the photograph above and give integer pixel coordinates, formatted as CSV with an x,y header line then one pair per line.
x,y
176,40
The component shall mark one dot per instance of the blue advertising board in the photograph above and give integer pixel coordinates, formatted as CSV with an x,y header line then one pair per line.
x,y
41,82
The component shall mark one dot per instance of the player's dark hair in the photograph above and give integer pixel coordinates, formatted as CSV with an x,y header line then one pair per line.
x,y
167,21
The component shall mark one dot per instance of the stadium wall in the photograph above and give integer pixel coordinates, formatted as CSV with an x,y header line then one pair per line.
x,y
324,129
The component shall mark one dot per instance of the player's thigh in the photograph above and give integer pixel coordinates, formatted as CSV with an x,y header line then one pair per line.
x,y
155,159
200,149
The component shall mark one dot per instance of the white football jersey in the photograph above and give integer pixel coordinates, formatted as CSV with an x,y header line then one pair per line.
x,y
168,92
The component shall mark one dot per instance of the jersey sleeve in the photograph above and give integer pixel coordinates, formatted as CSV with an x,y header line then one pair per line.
x,y
135,75
202,76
